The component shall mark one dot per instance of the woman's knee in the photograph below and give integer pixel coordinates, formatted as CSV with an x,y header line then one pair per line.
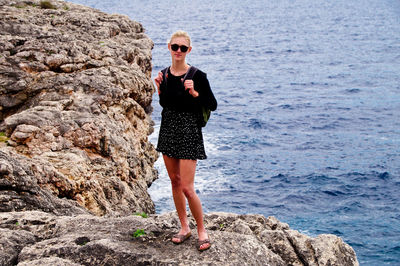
x,y
189,192
176,180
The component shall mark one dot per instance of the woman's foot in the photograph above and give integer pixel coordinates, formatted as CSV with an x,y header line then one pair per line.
x,y
181,237
204,242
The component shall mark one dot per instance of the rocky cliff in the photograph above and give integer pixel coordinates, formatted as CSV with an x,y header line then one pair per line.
x,y
75,95
38,238
75,160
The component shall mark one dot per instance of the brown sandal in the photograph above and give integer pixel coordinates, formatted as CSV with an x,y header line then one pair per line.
x,y
182,238
202,242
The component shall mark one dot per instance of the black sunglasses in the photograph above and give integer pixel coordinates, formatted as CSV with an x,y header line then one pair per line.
x,y
175,48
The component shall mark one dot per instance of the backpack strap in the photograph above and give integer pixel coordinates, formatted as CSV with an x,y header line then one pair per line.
x,y
190,73
165,74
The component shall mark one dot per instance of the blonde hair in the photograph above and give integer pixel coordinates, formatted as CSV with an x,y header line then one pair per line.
x,y
180,33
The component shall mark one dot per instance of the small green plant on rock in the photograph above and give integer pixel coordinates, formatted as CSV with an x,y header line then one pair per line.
x,y
138,233
143,214
3,137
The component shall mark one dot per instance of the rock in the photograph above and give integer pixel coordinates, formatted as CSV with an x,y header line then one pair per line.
x,y
48,239
75,94
11,243
20,188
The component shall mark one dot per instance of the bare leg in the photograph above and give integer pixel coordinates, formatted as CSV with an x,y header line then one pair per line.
x,y
187,170
173,169
181,173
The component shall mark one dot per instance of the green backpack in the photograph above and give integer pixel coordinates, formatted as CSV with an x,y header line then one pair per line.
x,y
206,113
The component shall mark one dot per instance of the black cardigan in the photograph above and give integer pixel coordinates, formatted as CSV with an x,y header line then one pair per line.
x,y
175,97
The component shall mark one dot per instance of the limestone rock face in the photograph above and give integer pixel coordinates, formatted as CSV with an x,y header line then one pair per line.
x,y
75,104
38,238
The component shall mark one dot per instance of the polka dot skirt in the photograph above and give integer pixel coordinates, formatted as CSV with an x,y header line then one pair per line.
x,y
180,136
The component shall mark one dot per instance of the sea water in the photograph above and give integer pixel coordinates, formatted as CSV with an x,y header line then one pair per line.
x,y
308,122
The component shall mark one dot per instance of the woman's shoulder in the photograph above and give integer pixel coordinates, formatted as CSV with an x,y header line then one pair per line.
x,y
200,74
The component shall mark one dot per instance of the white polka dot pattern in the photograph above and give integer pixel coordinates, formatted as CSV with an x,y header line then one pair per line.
x,y
181,136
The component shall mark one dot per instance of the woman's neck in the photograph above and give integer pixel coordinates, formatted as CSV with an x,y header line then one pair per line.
x,y
179,68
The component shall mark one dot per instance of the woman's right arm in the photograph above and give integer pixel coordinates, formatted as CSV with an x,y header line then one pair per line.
x,y
161,87
158,81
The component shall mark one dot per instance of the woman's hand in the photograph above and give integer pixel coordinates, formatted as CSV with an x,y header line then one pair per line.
x,y
189,85
158,81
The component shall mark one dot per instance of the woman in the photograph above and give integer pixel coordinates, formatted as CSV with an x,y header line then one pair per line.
x,y
180,139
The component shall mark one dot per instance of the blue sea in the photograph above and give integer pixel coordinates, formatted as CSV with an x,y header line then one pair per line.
x,y
308,123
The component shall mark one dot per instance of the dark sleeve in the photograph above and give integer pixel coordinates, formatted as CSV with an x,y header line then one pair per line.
x,y
206,96
162,94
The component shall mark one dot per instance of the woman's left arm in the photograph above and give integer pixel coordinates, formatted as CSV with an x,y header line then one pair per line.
x,y
206,96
